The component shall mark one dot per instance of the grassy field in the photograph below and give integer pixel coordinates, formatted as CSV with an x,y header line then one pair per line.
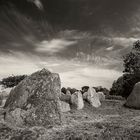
x,y
111,121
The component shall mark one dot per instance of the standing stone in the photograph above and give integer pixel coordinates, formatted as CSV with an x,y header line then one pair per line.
x,y
35,101
92,97
133,100
101,96
68,93
77,100
65,98
65,107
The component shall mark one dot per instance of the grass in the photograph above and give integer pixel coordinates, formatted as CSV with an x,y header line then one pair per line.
x,y
111,121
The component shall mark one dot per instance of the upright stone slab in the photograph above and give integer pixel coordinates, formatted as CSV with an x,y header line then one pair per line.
x,y
35,101
92,97
65,107
65,98
77,100
68,93
101,96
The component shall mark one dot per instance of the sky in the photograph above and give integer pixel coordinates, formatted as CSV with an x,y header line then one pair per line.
x,y
82,40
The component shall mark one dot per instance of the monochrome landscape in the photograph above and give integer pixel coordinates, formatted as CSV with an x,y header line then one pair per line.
x,y
69,70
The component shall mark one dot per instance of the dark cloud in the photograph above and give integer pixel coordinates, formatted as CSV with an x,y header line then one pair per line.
x,y
92,15
23,24
68,35
81,14
19,32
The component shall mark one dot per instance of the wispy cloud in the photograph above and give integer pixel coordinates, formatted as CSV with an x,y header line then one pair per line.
x,y
72,73
38,3
53,46
124,41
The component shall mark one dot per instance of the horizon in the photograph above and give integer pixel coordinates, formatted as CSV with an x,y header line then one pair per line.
x,y
81,77
83,41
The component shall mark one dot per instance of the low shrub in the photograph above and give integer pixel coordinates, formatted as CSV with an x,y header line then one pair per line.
x,y
72,90
12,81
102,89
114,97
64,90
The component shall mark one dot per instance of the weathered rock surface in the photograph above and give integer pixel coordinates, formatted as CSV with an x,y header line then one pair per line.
x,y
35,101
133,100
92,97
77,100
101,96
65,107
65,98
68,93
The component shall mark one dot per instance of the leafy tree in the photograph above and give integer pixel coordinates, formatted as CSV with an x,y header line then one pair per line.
x,y
132,60
124,85
11,81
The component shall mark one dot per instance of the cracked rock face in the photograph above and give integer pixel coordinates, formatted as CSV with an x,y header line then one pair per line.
x,y
35,101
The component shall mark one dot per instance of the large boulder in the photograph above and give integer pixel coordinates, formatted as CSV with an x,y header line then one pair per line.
x,y
133,100
77,100
35,101
92,97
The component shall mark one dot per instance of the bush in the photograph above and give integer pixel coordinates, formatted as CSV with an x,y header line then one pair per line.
x,y
72,90
124,85
64,90
11,81
114,97
101,89
84,89
117,87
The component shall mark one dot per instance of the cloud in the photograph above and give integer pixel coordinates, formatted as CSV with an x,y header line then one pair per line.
x,y
72,73
124,41
16,64
100,17
109,48
37,3
53,46
90,76
93,33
